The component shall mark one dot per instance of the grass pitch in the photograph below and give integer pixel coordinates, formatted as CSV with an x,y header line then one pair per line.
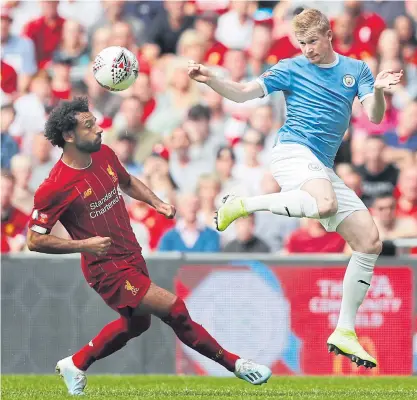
x,y
108,387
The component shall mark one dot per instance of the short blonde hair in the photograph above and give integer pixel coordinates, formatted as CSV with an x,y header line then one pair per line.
x,y
310,20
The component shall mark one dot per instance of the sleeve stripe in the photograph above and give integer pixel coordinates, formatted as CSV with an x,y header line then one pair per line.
x,y
38,229
263,86
366,96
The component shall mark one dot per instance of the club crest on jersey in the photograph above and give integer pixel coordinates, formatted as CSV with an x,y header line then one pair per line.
x,y
131,288
111,173
88,192
348,81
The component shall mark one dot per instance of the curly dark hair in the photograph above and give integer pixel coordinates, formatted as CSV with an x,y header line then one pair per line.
x,y
62,119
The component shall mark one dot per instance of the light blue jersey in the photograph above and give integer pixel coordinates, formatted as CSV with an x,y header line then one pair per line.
x,y
319,100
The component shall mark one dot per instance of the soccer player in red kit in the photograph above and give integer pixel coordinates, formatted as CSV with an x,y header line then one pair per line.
x,y
83,191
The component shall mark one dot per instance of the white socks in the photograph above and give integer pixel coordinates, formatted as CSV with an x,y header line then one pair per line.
x,y
294,203
355,285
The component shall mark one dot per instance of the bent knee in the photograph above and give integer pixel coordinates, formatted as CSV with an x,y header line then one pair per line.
x,y
327,206
139,325
371,244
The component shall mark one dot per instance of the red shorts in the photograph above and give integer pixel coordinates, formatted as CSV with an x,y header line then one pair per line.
x,y
124,290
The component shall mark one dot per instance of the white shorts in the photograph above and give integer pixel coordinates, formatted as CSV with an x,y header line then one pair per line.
x,y
293,165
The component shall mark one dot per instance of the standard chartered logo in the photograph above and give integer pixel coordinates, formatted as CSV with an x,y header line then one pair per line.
x,y
104,204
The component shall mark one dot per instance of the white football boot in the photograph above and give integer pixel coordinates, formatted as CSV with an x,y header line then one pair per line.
x,y
249,371
74,378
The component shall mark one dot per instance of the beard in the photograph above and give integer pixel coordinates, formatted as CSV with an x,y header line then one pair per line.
x,y
88,147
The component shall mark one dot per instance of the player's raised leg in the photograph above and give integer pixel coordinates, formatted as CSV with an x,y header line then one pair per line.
x,y
316,199
112,338
173,311
360,232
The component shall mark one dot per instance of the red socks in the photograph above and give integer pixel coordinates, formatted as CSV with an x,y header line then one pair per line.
x,y
112,337
196,337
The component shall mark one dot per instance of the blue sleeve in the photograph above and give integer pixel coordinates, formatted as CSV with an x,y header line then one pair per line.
x,y
276,78
213,244
29,66
366,83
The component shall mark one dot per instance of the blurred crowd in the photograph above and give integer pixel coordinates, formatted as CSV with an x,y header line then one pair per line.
x,y
187,143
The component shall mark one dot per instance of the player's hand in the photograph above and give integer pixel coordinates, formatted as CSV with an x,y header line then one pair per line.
x,y
166,209
199,72
97,245
387,78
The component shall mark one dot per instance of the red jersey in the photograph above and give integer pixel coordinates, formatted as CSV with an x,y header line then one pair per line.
x,y
368,28
281,49
156,223
357,50
14,225
8,78
301,241
215,54
46,37
88,202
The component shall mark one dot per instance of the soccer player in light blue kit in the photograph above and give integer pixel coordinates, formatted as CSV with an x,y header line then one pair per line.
x,y
319,87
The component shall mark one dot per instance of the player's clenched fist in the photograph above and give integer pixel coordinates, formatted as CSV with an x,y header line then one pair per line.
x,y
166,209
198,72
97,245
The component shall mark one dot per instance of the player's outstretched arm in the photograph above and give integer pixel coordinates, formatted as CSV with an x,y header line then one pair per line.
x,y
50,244
235,91
375,105
139,191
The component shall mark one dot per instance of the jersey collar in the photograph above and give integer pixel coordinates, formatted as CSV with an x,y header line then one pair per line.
x,y
333,64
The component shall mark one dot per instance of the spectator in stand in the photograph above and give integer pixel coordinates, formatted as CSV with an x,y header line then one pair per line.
x,y
368,26
406,90
124,147
179,96
225,163
31,110
168,26
21,169
273,229
13,221
389,47
100,40
18,52
192,45
45,32
208,188
142,89
405,136
407,188
144,10
406,32
249,170
206,24
234,28
378,177
61,81
8,83
129,122
9,146
389,226
43,160
189,235
122,35
343,40
104,101
313,238
350,177
263,120
258,50
73,49
185,171
246,241
387,10
113,12
204,143
214,102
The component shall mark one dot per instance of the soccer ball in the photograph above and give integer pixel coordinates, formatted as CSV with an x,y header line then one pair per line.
x,y
115,68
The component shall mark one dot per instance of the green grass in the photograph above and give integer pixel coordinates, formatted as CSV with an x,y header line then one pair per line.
x,y
176,387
